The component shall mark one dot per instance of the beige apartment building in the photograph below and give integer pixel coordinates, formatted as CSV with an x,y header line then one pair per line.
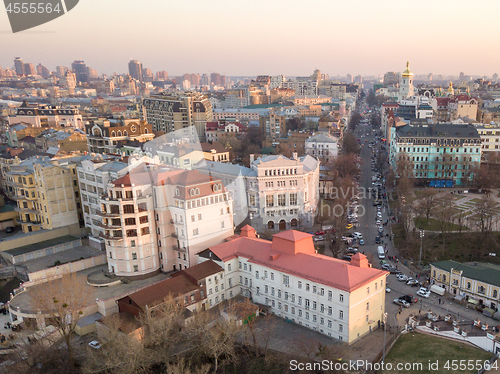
x,y
157,220
167,113
44,194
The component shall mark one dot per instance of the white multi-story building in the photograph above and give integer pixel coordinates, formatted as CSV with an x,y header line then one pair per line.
x,y
344,300
322,146
158,220
490,139
94,176
279,193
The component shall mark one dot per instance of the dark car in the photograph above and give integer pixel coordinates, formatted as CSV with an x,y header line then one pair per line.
x,y
9,230
409,299
346,258
377,240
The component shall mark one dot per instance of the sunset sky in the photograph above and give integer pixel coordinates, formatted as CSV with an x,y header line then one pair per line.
x,y
289,37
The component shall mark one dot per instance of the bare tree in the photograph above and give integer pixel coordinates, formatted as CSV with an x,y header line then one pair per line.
x,y
427,202
215,338
181,367
485,213
63,302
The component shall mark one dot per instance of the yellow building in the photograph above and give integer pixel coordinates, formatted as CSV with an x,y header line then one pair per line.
x,y
44,194
477,282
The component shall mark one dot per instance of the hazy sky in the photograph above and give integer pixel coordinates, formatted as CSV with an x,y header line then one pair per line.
x,y
291,37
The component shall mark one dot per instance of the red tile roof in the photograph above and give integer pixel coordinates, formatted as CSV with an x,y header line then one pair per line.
x,y
157,292
314,267
203,270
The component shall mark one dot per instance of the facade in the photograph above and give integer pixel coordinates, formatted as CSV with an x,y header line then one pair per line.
x,y
106,135
490,138
322,146
215,131
437,151
238,115
158,220
276,193
93,176
47,116
343,300
167,113
476,282
273,124
44,194
192,288
215,151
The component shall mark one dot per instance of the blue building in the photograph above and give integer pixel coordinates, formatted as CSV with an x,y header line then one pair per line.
x,y
441,155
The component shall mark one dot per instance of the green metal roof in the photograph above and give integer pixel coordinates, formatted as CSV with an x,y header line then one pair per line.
x,y
481,271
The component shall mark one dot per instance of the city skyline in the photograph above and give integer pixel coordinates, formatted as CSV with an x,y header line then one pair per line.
x,y
296,37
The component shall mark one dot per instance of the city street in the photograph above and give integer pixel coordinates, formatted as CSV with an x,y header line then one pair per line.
x,y
367,226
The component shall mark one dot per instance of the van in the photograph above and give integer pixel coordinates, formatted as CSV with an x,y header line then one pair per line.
x,y
437,289
381,252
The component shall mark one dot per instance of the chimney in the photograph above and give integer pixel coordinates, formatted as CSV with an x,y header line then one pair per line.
x,y
295,156
252,158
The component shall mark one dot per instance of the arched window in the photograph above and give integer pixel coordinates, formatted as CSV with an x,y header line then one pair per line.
x,y
119,133
113,134
125,133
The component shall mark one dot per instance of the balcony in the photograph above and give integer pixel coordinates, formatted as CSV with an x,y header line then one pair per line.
x,y
25,210
109,226
179,249
33,223
110,214
109,237
174,235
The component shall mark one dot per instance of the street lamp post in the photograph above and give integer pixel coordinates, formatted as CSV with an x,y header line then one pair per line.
x,y
422,232
385,329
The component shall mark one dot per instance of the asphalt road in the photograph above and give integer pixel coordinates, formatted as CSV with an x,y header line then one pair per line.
x,y
367,226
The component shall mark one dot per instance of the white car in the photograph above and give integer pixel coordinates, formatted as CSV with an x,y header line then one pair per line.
x,y
402,278
358,235
424,293
387,289
94,344
318,238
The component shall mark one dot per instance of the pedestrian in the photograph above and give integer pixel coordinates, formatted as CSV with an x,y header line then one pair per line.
x,y
439,301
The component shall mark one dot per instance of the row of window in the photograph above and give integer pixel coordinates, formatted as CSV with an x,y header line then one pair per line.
x,y
306,315
273,172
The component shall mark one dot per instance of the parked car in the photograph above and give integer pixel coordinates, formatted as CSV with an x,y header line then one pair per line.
x,y
321,232
346,258
318,238
377,240
361,242
409,299
387,289
9,229
402,278
357,235
401,302
424,292
95,344
413,283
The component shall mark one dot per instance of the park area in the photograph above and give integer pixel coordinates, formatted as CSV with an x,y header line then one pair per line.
x,y
415,347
